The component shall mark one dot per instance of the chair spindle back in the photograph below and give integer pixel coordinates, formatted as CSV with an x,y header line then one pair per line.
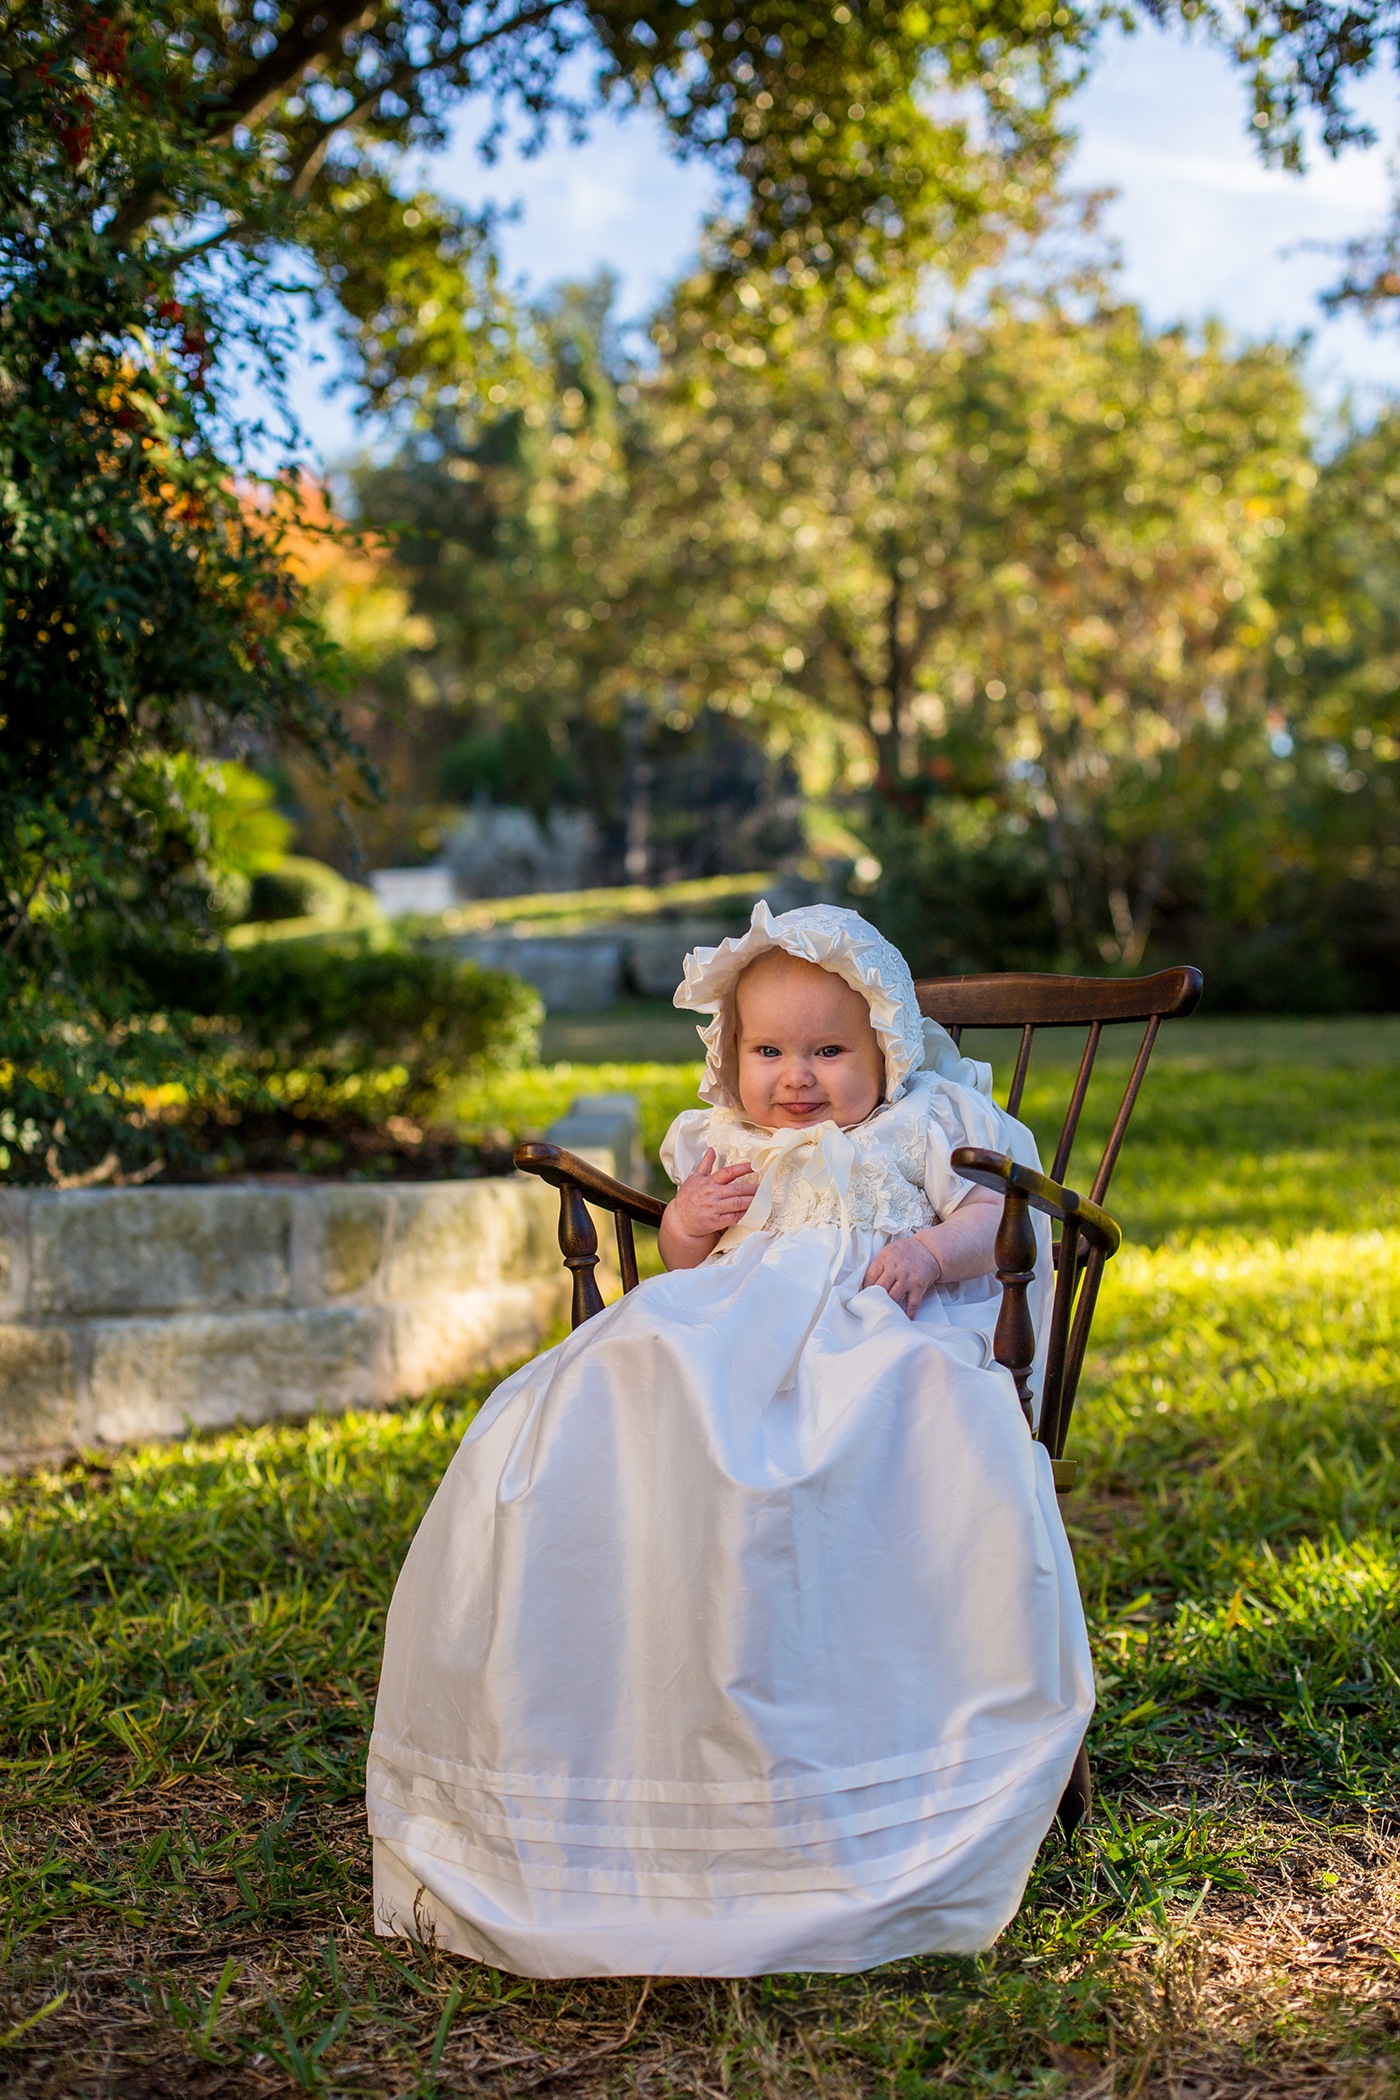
x,y
1030,1001
1012,1001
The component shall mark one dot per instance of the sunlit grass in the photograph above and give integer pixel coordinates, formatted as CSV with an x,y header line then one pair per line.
x,y
1242,1424
524,1104
193,1636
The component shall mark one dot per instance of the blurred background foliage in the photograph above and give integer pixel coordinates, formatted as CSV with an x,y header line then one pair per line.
x,y
1079,637
900,550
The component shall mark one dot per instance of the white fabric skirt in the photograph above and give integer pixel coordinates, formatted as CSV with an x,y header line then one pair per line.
x,y
742,1635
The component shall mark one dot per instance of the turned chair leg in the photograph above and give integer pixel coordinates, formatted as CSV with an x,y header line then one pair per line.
x,y
1077,1800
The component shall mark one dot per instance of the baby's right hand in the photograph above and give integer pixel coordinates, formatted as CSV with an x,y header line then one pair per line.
x,y
710,1200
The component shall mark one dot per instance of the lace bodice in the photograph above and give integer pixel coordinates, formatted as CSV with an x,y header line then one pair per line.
x,y
885,1193
897,1174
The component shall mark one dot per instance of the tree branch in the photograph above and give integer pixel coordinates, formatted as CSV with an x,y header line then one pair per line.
x,y
931,618
894,655
850,656
313,32
305,43
320,25
310,161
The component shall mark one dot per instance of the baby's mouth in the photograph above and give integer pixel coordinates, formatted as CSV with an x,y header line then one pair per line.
x,y
801,1108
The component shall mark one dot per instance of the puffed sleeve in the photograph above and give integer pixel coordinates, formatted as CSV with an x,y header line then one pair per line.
x,y
945,1189
683,1146
959,1116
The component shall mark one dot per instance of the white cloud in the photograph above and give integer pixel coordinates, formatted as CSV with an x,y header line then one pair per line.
x,y
1206,228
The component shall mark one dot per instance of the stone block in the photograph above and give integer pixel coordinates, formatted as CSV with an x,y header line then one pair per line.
x,y
150,1250
656,953
573,973
606,1129
448,1337
38,1390
159,1377
454,1236
526,1227
403,890
474,1267
14,1250
339,1238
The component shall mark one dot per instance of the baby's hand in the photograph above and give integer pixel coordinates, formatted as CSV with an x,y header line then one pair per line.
x,y
710,1200
907,1269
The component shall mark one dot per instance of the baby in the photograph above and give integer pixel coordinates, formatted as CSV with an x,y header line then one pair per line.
x,y
807,1053
742,1635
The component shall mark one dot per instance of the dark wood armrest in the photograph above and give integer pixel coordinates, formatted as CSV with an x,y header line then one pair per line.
x,y
997,1170
564,1169
1013,1344
579,1184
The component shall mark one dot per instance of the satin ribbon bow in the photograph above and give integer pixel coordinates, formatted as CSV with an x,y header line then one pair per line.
x,y
830,1159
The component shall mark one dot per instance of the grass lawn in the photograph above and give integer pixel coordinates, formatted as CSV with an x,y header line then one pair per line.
x,y
192,1636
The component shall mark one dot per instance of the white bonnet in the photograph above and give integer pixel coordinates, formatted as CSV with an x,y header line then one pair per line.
x,y
845,943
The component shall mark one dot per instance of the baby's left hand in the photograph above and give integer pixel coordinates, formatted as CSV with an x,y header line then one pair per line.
x,y
907,1269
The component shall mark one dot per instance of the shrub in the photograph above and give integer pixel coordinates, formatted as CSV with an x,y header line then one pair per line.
x,y
961,888
288,1054
339,1011
298,888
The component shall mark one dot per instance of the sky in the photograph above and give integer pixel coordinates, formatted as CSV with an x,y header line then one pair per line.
x,y
1203,228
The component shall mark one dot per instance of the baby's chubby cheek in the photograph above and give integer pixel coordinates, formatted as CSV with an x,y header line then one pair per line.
x,y
853,1095
756,1096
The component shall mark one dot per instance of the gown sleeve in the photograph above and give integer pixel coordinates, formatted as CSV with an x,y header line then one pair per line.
x,y
945,1189
683,1146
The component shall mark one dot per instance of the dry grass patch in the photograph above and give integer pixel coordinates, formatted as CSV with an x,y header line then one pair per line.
x,y
1110,1987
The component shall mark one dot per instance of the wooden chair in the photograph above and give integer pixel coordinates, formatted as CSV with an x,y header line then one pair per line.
x,y
1088,1236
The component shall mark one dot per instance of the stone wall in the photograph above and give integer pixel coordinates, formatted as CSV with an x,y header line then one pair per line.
x,y
133,1313
632,957
583,972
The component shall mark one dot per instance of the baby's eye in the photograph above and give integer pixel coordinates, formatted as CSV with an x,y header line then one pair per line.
x,y
768,1050
831,1050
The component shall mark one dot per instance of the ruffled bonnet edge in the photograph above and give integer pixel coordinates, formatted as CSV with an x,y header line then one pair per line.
x,y
848,945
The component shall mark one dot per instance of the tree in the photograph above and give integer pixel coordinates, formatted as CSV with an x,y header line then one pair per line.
x,y
1014,557
1332,905
1111,655
167,174
1009,566
514,538
172,180
537,559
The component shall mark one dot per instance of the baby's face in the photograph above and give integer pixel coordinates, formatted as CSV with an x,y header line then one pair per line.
x,y
806,1050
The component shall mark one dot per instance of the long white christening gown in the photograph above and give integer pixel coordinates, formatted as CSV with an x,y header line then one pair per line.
x,y
742,1634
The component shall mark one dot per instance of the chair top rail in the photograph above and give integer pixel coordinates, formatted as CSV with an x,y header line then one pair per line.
x,y
1032,999
553,1164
